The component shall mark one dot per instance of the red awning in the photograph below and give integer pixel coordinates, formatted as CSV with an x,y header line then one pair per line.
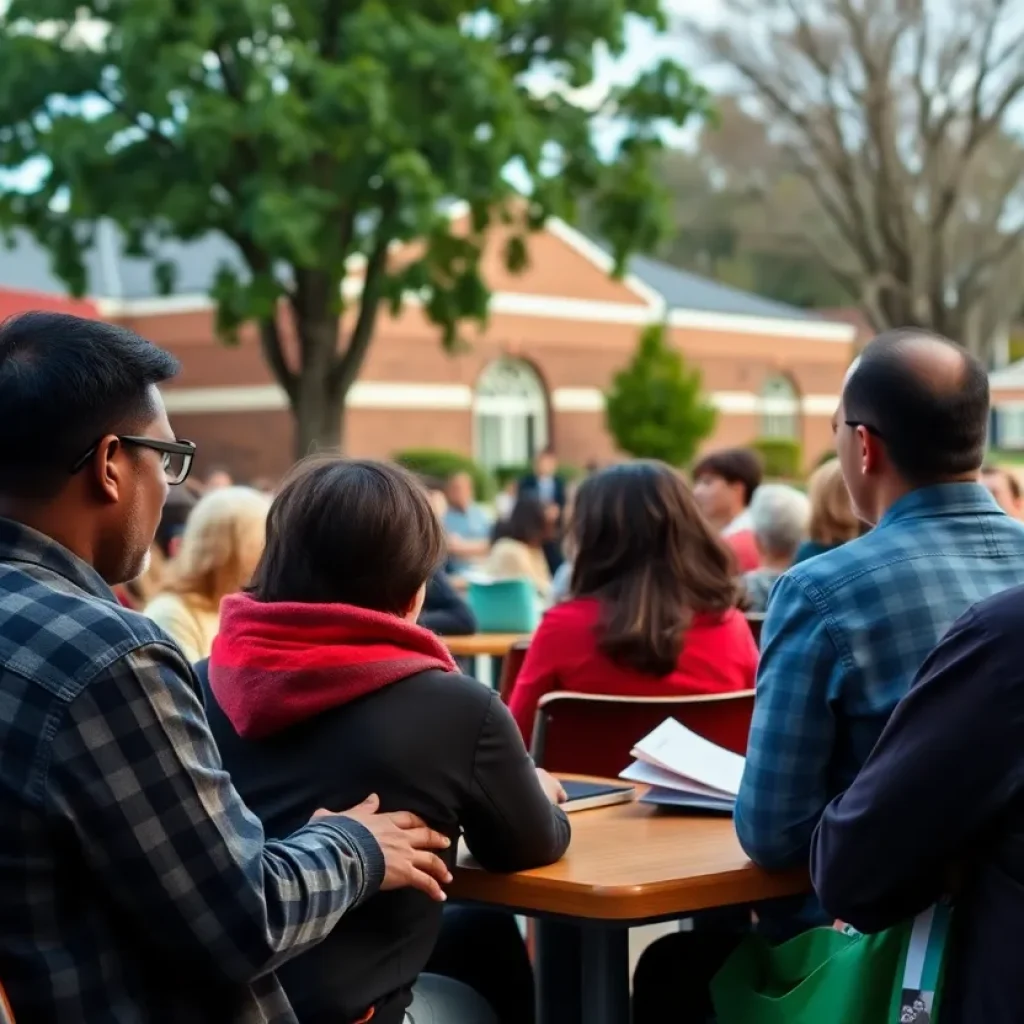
x,y
12,302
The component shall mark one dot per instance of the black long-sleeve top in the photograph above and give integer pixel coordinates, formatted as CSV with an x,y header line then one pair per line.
x,y
438,744
444,611
941,801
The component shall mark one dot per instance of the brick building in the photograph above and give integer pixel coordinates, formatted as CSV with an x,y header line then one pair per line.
x,y
557,334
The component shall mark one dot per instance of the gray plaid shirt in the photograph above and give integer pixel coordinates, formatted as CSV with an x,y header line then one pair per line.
x,y
135,886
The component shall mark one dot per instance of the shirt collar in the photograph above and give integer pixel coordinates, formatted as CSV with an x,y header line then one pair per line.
x,y
940,499
20,543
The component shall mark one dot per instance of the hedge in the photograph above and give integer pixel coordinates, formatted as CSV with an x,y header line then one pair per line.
x,y
441,463
782,457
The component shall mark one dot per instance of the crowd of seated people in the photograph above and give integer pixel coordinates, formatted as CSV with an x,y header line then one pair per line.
x,y
236,793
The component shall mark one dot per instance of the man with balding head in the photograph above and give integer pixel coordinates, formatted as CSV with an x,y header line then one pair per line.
x,y
847,631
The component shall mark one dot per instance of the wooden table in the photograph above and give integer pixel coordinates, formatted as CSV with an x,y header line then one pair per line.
x,y
495,645
628,865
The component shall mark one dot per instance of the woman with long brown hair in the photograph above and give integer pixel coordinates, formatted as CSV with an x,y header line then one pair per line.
x,y
652,606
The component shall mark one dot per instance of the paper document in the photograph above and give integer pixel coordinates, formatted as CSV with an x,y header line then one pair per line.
x,y
648,775
662,797
674,749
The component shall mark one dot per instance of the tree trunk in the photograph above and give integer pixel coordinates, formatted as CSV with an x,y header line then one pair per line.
x,y
319,417
319,404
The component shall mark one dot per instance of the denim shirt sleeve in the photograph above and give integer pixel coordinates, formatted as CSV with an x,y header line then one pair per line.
x,y
785,782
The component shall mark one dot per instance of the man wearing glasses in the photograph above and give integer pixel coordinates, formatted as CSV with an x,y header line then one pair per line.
x,y
134,884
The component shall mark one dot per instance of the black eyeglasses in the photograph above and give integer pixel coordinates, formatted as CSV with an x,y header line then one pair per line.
x,y
867,426
177,455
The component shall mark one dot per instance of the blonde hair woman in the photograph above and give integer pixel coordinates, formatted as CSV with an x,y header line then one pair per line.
x,y
221,545
833,521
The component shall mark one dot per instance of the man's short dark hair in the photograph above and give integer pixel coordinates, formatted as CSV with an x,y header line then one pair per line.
x,y
352,532
1012,482
65,382
932,429
734,466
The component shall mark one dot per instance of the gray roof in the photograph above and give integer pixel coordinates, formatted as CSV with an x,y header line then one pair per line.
x,y
682,290
113,275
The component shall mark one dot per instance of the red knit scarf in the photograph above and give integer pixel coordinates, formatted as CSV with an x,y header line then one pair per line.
x,y
276,664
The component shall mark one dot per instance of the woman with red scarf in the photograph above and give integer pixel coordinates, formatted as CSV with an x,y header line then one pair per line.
x,y
322,688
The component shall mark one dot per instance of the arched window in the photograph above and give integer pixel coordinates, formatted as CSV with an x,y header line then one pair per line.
x,y
510,414
780,409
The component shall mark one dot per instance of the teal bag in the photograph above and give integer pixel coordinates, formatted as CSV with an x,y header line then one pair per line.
x,y
830,977
504,606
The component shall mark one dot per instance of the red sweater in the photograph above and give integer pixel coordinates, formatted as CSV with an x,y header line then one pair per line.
x,y
719,655
744,547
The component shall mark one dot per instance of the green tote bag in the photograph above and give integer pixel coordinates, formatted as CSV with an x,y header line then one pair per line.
x,y
830,977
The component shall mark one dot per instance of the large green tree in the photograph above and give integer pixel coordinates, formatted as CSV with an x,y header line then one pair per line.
x,y
317,134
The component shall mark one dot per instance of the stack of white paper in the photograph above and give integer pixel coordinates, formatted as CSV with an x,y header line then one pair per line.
x,y
685,770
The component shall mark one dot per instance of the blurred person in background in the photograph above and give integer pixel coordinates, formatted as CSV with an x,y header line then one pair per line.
x,y
1004,486
833,520
466,524
778,518
548,487
518,549
444,612
561,582
217,479
724,484
505,499
220,548
652,608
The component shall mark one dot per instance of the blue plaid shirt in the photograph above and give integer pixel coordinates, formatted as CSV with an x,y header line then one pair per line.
x,y
135,887
844,636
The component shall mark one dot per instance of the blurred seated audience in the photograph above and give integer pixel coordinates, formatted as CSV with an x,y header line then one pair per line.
x,y
466,523
220,548
724,484
1004,486
833,520
778,518
518,549
321,688
652,607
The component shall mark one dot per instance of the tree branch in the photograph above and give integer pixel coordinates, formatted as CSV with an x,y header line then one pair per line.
x,y
273,353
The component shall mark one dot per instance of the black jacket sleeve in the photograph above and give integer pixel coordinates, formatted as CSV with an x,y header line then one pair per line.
x,y
944,771
509,824
444,611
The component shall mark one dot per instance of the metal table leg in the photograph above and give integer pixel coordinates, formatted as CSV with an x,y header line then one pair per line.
x,y
605,975
557,973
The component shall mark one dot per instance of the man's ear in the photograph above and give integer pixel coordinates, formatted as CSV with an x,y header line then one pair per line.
x,y
107,470
872,452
